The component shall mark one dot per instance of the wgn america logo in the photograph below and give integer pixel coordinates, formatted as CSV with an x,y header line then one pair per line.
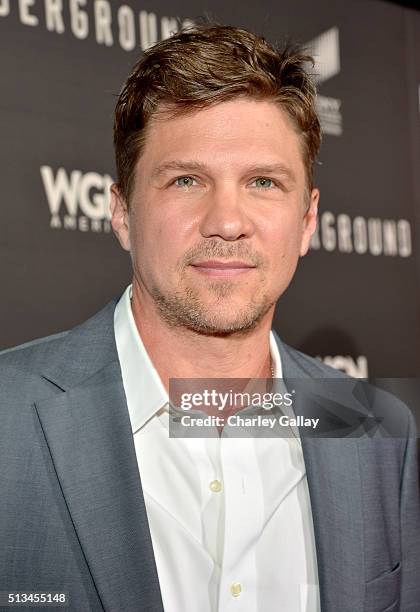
x,y
106,22
325,50
78,201
361,235
356,367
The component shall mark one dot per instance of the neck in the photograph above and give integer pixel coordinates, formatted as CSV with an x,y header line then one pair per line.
x,y
178,352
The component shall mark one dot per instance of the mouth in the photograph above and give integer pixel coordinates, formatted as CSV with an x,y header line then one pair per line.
x,y
222,268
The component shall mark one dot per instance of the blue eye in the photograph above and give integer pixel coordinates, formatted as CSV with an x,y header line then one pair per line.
x,y
184,181
264,182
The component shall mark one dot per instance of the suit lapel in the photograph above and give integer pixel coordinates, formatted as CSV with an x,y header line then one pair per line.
x,y
88,431
334,482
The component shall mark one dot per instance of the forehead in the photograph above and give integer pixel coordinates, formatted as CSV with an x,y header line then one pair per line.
x,y
227,134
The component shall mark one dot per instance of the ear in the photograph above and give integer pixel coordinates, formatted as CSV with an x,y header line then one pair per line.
x,y
309,222
120,217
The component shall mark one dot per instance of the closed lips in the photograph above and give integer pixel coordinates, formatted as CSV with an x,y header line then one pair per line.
x,y
222,265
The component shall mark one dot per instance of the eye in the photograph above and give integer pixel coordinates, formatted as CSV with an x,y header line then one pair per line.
x,y
264,182
185,181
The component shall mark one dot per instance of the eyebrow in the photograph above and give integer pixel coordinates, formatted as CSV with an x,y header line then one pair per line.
x,y
190,165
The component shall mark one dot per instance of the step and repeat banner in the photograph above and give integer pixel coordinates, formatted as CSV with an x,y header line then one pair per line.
x,y
355,299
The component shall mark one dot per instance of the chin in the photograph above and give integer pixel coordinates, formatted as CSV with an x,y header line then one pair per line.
x,y
210,315
222,329
211,322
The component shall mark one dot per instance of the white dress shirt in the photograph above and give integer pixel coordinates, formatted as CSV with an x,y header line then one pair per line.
x,y
230,518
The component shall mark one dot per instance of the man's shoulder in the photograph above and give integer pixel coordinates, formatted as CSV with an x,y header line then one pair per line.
x,y
376,400
21,370
297,364
69,350
30,357
32,347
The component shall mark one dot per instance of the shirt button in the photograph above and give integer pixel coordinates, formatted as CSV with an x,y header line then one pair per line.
x,y
236,589
215,486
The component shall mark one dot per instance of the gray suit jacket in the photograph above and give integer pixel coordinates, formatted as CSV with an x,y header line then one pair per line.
x,y
72,513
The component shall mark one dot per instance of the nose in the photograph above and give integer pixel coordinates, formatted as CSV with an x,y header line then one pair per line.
x,y
225,215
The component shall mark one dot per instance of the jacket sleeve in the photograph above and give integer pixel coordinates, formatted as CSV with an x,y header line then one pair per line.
x,y
410,524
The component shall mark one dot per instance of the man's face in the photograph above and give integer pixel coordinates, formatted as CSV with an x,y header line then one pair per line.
x,y
218,215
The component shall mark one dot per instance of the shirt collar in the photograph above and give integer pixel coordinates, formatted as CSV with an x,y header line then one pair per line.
x,y
143,387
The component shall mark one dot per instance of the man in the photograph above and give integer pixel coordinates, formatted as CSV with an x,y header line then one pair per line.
x,y
215,136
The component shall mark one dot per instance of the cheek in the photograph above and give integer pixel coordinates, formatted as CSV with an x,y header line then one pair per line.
x,y
284,237
285,241
163,244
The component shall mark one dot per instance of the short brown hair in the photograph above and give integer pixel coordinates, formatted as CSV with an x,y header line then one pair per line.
x,y
209,64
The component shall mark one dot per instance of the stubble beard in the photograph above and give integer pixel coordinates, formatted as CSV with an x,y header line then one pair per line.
x,y
184,308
